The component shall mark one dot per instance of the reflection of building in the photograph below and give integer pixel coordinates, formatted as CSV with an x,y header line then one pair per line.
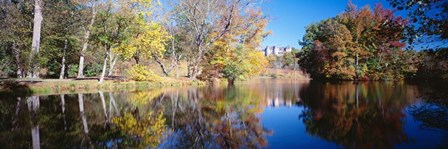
x,y
275,50
280,92
278,102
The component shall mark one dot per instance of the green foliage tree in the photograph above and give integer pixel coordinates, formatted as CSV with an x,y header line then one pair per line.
x,y
289,59
123,29
272,58
15,30
59,37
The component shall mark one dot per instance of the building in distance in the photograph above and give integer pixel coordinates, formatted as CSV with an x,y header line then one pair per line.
x,y
276,50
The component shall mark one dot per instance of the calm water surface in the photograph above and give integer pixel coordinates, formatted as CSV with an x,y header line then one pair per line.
x,y
262,113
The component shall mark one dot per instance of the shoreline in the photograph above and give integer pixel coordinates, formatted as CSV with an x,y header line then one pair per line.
x,y
28,86
69,86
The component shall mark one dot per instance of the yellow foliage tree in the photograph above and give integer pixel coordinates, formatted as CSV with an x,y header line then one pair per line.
x,y
142,73
235,56
151,40
242,64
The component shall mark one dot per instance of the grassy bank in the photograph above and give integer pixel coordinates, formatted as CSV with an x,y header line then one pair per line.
x,y
285,73
68,86
18,87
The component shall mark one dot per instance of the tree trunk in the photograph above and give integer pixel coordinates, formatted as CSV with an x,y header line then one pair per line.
x,y
137,57
112,61
231,82
81,66
86,43
35,45
61,75
194,73
177,71
357,67
103,73
16,52
164,69
196,62
189,68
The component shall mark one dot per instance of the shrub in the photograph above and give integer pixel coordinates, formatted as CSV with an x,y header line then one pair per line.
x,y
142,73
93,70
72,70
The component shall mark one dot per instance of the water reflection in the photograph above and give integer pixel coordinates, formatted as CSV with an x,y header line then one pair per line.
x,y
215,118
363,115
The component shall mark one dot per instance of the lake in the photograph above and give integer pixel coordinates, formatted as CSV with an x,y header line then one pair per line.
x,y
261,113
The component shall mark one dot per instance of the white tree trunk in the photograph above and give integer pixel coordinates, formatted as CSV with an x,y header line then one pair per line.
x,y
112,61
103,73
35,45
61,75
86,42
196,62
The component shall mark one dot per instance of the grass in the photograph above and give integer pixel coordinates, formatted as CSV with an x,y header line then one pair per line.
x,y
50,87
285,73
56,86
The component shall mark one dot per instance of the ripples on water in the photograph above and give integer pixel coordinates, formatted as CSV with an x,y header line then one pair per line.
x,y
262,113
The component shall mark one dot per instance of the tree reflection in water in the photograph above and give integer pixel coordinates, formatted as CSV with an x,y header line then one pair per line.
x,y
364,115
433,111
182,118
215,118
432,116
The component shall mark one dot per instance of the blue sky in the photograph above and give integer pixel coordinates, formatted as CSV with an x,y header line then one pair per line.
x,y
288,18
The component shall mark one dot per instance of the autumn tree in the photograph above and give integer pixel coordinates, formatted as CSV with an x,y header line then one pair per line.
x,y
111,29
207,22
289,58
176,46
357,45
88,17
430,31
235,56
243,64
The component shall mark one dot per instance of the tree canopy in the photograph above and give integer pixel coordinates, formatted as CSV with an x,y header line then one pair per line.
x,y
359,44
